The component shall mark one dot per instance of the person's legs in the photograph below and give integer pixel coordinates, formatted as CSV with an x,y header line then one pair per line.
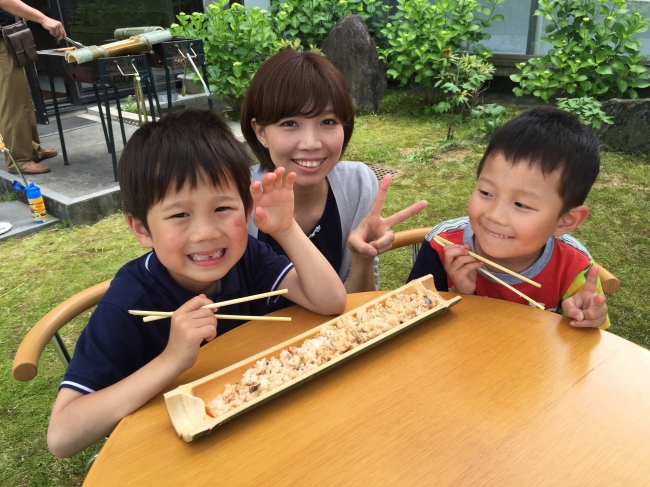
x,y
16,115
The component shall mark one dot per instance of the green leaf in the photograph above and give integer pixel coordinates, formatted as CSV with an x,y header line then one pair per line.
x,y
622,86
604,70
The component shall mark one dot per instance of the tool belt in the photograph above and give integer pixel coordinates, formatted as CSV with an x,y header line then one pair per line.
x,y
20,44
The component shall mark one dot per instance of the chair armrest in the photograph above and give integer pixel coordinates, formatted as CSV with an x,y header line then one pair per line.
x,y
26,360
608,280
410,237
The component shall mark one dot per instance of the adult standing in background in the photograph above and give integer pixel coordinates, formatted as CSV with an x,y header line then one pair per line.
x,y
17,119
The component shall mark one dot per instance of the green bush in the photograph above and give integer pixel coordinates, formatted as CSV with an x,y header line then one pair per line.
x,y
587,109
312,20
462,83
422,37
593,51
490,115
236,41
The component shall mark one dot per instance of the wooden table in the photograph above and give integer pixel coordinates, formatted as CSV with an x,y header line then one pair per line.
x,y
490,393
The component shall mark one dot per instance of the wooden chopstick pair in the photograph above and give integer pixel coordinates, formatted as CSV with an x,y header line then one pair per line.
x,y
161,315
444,242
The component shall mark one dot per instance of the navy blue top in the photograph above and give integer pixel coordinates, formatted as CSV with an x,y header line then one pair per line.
x,y
326,236
428,262
115,344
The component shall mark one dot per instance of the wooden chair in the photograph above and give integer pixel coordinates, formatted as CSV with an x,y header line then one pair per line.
x,y
46,330
415,237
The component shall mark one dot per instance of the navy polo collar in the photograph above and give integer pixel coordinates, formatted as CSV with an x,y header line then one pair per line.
x,y
229,283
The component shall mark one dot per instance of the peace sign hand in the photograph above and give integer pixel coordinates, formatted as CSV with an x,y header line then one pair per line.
x,y
587,308
374,236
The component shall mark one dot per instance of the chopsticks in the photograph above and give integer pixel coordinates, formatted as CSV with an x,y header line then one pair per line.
x,y
444,242
531,301
160,315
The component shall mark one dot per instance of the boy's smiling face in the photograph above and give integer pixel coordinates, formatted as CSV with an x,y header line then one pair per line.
x,y
198,234
513,212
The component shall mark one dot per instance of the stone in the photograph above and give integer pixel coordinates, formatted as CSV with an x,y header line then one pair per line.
x,y
631,129
351,49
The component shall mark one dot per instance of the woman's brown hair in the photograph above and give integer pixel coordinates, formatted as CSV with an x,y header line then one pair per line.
x,y
292,83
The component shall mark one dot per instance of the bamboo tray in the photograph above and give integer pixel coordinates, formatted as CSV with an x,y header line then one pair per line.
x,y
187,403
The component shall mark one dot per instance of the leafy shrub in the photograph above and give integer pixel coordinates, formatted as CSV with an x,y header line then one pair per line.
x,y
129,105
312,20
490,115
422,37
462,82
593,51
236,41
587,109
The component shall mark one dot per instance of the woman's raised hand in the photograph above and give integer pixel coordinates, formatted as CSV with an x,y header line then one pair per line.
x,y
273,200
374,236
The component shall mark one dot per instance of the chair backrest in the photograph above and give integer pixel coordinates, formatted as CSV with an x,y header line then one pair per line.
x,y
29,352
415,237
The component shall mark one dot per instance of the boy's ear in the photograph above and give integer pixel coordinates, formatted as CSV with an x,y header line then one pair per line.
x,y
139,231
571,220
259,132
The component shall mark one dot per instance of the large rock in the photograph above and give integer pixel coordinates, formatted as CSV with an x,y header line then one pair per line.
x,y
631,128
351,49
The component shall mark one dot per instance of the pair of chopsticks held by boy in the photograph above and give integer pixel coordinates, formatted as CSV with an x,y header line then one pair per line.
x,y
308,227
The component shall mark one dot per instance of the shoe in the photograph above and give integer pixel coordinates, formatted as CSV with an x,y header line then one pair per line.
x,y
48,153
30,168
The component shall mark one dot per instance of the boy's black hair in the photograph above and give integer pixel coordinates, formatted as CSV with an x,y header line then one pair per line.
x,y
550,139
183,147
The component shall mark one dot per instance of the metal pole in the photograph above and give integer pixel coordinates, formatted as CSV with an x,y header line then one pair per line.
x,y
58,120
119,114
107,103
101,116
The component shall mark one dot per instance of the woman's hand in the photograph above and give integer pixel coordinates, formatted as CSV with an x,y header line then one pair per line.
x,y
374,236
273,200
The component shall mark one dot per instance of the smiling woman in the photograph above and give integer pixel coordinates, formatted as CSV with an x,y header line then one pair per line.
x,y
297,114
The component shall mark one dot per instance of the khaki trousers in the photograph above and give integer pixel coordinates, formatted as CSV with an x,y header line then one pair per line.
x,y
17,119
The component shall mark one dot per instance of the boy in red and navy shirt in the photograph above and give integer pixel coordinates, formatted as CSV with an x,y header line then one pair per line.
x,y
532,183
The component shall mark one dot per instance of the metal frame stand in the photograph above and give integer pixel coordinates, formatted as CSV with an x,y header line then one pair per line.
x,y
171,55
113,73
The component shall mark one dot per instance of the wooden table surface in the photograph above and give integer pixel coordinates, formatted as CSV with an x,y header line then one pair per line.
x,y
490,393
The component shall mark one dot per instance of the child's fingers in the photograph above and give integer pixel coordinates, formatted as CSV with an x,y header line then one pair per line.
x,y
260,216
268,182
592,280
572,307
289,180
279,172
209,331
194,304
405,214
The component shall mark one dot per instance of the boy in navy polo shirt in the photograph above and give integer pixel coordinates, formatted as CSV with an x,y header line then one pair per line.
x,y
532,184
185,183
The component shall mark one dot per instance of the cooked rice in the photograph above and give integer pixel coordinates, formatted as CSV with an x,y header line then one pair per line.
x,y
348,332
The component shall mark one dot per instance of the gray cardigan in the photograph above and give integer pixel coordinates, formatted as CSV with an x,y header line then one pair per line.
x,y
354,186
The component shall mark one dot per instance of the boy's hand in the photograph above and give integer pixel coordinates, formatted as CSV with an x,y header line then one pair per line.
x,y
191,324
274,206
587,309
461,268
374,236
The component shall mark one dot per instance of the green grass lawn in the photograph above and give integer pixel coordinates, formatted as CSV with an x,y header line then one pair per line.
x,y
41,270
